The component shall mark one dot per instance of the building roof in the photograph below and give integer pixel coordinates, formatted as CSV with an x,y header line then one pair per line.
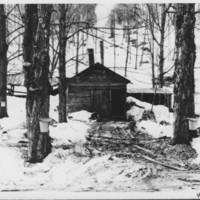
x,y
101,67
149,90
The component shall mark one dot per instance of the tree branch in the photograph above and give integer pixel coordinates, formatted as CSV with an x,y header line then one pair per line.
x,y
16,22
11,10
12,58
15,38
14,31
152,16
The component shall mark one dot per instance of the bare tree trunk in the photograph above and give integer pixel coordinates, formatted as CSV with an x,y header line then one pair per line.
x,y
151,44
127,54
3,63
184,72
77,51
136,55
30,23
144,40
38,86
162,39
152,63
114,45
62,70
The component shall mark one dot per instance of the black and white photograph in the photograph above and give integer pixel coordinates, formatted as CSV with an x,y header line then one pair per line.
x,y
100,100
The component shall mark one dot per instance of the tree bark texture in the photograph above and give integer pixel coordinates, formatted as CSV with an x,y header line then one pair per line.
x,y
30,23
3,64
162,39
102,51
37,81
77,50
184,72
150,33
62,70
152,61
136,54
127,53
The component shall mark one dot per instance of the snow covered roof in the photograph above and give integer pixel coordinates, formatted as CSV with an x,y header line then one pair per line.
x,y
131,89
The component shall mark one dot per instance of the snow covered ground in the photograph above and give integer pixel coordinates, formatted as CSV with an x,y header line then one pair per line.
x,y
71,170
14,172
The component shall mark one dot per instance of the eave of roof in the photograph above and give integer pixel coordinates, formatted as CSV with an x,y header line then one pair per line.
x,y
98,65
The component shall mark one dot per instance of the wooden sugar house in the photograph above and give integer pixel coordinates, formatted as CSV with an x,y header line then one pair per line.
x,y
97,89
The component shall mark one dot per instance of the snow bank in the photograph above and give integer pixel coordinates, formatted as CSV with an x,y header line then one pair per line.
x,y
136,112
82,115
73,130
9,124
11,166
196,145
161,112
83,174
146,106
156,130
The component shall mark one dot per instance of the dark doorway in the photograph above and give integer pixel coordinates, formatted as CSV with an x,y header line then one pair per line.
x,y
101,102
117,97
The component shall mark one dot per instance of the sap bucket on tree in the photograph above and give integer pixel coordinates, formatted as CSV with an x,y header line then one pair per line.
x,y
194,123
44,124
3,104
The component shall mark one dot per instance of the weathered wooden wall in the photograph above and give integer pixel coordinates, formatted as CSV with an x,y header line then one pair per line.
x,y
156,99
78,98
91,90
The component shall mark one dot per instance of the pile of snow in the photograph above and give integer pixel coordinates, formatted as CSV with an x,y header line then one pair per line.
x,y
196,145
9,124
136,112
11,165
156,130
82,115
74,131
146,106
12,136
82,174
161,112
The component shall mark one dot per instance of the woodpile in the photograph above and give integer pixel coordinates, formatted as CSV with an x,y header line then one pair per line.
x,y
129,142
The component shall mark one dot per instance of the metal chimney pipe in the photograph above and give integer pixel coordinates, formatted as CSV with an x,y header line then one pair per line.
x,y
91,56
102,52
